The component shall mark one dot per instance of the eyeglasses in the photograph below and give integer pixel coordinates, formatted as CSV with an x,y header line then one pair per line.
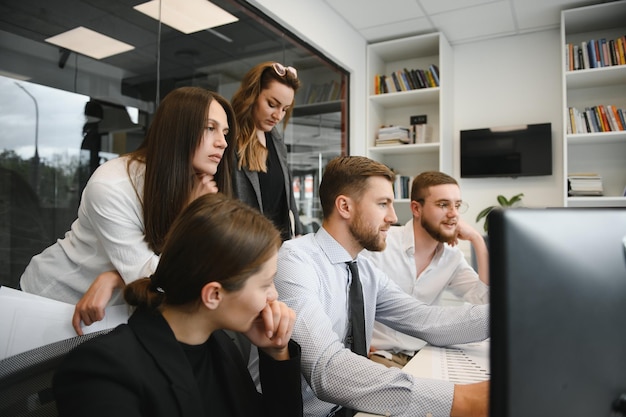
x,y
282,70
447,206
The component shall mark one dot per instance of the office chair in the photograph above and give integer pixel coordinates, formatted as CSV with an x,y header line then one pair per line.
x,y
26,378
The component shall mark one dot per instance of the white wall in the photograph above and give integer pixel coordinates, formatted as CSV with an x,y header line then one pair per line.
x,y
508,81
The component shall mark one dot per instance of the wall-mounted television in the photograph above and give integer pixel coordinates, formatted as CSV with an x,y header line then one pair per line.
x,y
507,151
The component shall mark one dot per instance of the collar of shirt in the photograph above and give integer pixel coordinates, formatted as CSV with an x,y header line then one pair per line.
x,y
408,243
336,253
408,239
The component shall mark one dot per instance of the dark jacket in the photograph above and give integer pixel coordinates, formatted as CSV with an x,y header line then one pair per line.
x,y
140,369
247,188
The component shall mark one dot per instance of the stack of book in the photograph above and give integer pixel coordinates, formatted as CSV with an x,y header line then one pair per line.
x,y
584,184
422,133
393,135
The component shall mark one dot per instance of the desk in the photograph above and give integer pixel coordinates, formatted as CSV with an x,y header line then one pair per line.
x,y
461,364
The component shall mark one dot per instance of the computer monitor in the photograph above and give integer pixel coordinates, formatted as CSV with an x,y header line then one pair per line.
x,y
558,312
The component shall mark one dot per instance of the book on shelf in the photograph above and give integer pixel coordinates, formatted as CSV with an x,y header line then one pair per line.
x,y
391,142
422,133
616,121
621,50
434,70
584,184
585,52
393,129
595,53
396,82
402,186
377,89
393,135
600,118
406,80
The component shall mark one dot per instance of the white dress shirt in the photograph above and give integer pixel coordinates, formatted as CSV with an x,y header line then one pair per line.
x,y
448,270
107,235
313,279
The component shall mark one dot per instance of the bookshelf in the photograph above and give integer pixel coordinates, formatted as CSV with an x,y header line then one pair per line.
x,y
599,152
396,108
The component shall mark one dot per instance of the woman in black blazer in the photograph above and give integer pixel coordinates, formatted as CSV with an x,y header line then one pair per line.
x,y
173,358
261,178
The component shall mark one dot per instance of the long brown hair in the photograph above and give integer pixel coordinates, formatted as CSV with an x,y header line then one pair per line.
x,y
215,238
167,151
251,153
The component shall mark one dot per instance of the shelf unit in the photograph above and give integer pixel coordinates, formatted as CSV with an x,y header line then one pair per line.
x,y
602,153
397,107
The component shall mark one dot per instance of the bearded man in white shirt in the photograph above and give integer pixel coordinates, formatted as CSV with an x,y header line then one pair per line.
x,y
423,258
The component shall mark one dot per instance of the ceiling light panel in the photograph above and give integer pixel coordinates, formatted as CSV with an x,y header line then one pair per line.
x,y
88,42
187,16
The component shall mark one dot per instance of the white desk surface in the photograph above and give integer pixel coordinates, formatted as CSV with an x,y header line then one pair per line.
x,y
460,364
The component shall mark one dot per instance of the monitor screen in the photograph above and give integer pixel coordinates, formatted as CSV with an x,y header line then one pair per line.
x,y
558,311
507,151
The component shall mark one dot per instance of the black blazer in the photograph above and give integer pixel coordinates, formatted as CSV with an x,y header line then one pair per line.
x,y
140,369
247,188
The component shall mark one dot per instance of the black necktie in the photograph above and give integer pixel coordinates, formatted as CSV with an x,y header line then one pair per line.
x,y
357,316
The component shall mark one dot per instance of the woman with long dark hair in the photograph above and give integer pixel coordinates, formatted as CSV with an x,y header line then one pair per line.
x,y
130,203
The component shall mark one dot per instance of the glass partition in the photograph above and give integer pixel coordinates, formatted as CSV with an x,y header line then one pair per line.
x,y
63,113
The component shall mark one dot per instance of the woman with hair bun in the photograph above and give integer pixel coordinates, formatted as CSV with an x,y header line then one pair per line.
x,y
173,358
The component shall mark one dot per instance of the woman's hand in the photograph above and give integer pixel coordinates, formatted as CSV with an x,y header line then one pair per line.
x,y
272,330
90,308
204,184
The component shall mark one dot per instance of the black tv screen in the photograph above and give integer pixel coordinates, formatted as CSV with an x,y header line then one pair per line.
x,y
508,151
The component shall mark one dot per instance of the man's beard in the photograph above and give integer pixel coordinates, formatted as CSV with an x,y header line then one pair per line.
x,y
435,231
367,238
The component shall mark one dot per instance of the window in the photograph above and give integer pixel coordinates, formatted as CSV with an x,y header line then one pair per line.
x,y
64,113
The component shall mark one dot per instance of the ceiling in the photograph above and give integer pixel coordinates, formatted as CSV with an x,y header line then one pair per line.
x,y
234,48
461,21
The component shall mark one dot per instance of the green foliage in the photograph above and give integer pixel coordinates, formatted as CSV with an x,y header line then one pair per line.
x,y
503,202
54,179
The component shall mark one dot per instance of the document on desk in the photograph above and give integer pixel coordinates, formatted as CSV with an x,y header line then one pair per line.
x,y
461,364
29,321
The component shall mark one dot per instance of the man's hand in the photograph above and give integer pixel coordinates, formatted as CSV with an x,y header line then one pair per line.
x,y
90,308
272,330
471,400
466,232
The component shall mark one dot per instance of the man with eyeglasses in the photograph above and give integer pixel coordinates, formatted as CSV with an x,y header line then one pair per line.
x,y
337,294
422,257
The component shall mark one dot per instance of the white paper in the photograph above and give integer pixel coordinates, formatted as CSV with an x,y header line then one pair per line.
x,y
29,321
461,364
